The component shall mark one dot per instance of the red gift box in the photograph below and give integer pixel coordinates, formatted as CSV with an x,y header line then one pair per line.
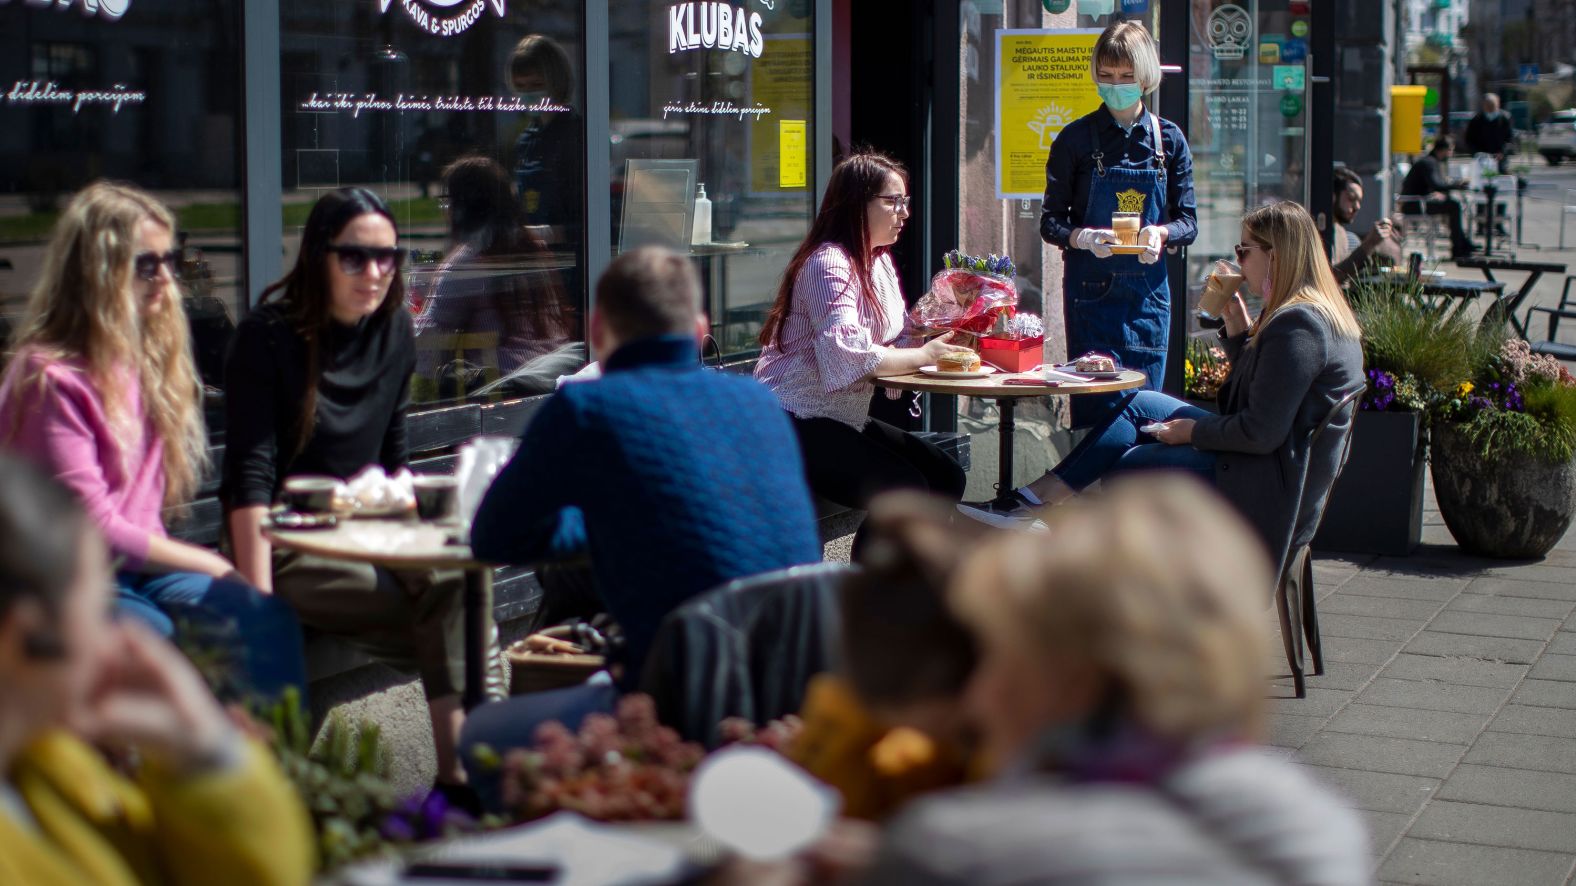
x,y
1013,354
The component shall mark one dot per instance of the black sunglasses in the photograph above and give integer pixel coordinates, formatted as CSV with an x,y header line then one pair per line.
x,y
354,259
146,265
1244,248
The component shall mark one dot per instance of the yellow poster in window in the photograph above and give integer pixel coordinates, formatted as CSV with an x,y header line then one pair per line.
x,y
781,85
1042,84
792,169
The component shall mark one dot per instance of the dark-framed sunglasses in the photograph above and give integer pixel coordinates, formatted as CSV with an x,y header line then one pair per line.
x,y
146,264
1244,248
353,260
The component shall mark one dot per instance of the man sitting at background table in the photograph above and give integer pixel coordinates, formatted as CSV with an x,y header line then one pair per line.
x,y
684,478
1353,254
1429,190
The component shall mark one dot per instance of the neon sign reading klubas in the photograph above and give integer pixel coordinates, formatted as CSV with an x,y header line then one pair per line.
x,y
714,26
110,9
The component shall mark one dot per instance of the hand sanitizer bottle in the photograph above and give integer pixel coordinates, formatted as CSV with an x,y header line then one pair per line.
x,y
701,230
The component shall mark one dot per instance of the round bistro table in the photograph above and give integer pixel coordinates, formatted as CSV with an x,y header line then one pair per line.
x,y
410,544
995,387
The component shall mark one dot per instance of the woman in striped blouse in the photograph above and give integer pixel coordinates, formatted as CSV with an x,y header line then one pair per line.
x,y
832,331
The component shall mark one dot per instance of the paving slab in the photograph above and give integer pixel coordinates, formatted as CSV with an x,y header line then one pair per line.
x,y
1341,674
1377,791
1366,627
1343,603
1527,720
1510,587
1384,829
1539,753
1495,604
1442,726
1292,731
1321,702
1498,786
1345,750
1497,826
1432,695
1364,584
1482,625
1458,669
1555,667
1545,572
1500,649
1564,643
1356,650
1546,694
1456,864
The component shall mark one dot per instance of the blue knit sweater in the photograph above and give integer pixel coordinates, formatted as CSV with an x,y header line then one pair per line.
x,y
685,478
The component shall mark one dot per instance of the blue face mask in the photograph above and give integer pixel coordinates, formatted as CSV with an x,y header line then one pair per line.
x,y
1119,96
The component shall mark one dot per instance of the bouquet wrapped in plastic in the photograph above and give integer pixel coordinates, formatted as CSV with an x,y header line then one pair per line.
x,y
968,295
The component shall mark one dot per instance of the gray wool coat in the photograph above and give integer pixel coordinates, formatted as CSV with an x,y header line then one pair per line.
x,y
1283,382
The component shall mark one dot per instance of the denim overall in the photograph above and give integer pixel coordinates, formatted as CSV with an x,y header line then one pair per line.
x,y
1119,305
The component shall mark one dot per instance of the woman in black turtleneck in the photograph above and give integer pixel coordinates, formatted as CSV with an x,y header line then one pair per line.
x,y
318,382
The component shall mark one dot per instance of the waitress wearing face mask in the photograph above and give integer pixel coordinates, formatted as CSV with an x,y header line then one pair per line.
x,y
1120,158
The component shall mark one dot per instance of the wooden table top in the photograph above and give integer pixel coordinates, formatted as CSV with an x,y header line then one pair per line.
x,y
992,385
1509,264
394,544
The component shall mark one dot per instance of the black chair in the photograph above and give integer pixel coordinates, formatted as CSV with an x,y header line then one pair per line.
x,y
1566,310
746,649
1294,596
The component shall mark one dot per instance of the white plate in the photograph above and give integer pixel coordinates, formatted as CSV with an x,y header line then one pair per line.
x,y
933,372
1073,368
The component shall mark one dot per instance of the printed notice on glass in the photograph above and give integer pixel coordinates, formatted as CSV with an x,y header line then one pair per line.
x,y
792,169
782,79
1042,84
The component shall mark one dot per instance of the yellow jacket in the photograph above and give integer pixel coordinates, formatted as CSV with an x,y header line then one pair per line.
x,y
243,825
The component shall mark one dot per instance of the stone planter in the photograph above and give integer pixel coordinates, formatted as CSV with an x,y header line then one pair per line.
x,y
1512,506
1376,506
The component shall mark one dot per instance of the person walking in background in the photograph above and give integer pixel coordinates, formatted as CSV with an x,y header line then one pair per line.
x,y
834,328
1352,255
1120,158
679,478
101,392
1426,190
206,804
1490,131
319,377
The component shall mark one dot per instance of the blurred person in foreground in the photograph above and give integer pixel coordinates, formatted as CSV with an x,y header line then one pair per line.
x,y
204,806
889,725
1119,692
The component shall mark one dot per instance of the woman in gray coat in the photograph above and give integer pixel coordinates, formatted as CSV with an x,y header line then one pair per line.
x,y
1288,369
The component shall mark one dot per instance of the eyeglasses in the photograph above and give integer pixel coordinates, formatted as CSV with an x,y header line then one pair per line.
x,y
899,202
1244,248
146,265
353,260
444,203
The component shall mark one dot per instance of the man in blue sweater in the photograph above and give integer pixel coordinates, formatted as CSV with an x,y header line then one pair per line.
x,y
685,478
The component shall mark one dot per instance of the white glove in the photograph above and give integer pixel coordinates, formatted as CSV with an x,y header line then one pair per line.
x,y
1153,239
1096,240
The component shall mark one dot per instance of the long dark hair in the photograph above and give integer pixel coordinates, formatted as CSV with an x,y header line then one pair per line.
x,y
305,293
858,179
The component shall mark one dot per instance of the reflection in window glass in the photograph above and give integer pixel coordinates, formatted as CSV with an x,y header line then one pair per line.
x,y
150,98
719,96
472,128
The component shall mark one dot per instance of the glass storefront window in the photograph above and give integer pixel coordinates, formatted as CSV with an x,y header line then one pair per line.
x,y
149,96
469,121
719,95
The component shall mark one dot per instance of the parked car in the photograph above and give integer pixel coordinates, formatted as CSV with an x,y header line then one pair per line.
x,y
1557,138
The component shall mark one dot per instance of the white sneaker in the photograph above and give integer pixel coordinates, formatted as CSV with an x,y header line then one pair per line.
x,y
1018,519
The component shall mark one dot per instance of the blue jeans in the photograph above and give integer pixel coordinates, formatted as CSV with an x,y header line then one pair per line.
x,y
1115,445
222,618
512,723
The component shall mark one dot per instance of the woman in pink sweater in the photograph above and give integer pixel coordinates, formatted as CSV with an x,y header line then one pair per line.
x,y
101,392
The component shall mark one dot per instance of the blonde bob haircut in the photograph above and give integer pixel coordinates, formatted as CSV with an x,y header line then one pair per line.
x,y
83,308
1156,583
1302,270
1128,43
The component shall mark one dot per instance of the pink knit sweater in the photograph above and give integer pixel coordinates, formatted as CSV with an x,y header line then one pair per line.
x,y
117,470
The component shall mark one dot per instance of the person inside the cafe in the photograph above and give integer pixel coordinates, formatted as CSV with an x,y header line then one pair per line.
x,y
1426,190
1289,368
101,392
319,379
1119,158
1353,255
678,478
202,803
835,328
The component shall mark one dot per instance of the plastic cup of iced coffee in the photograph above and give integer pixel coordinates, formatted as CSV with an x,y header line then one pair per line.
x,y
1222,283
